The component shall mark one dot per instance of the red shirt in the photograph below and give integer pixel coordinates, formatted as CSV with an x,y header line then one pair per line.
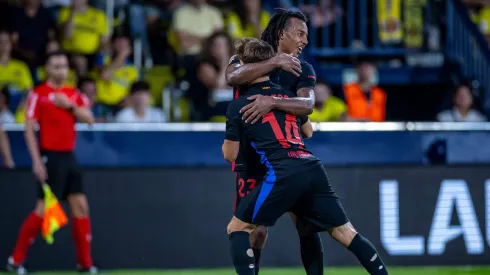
x,y
56,125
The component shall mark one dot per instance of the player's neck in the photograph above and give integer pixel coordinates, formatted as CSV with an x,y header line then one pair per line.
x,y
54,83
4,59
260,79
280,51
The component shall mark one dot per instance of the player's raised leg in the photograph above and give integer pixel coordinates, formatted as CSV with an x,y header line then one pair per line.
x,y
361,247
322,210
311,248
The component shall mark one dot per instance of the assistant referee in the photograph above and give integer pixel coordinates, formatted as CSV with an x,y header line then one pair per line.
x,y
56,108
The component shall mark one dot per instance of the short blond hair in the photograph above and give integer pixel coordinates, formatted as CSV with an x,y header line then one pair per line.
x,y
251,50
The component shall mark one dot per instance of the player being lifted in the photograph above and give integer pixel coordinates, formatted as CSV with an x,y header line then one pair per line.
x,y
295,180
288,34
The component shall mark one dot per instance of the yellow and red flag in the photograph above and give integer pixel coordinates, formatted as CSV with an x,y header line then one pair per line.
x,y
54,215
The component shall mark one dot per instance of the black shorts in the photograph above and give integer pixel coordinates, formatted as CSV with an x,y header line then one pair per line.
x,y
64,174
308,195
245,183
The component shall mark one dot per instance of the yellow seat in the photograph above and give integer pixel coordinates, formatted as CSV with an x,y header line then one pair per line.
x,y
218,119
185,110
172,41
158,77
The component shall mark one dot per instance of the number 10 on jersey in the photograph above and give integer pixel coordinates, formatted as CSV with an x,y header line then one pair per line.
x,y
290,127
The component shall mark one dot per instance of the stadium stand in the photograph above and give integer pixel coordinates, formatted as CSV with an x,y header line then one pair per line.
x,y
412,45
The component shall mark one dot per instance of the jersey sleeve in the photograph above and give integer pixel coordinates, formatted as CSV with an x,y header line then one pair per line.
x,y
32,106
307,78
303,120
233,121
82,100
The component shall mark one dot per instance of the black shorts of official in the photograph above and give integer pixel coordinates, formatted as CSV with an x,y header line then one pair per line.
x,y
307,194
64,174
245,183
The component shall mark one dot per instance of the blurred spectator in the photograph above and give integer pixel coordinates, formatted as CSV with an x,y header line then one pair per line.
x,y
248,19
56,3
150,21
139,109
327,106
13,73
223,5
462,110
323,13
160,9
40,72
6,115
84,32
484,21
193,22
88,87
115,76
32,26
101,4
480,15
365,101
211,94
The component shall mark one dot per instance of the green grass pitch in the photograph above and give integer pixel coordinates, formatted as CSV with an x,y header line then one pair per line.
x,y
295,271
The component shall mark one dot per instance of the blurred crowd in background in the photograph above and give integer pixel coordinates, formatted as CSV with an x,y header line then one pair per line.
x,y
165,60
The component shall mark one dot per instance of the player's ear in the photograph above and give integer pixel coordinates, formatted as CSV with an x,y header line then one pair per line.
x,y
281,34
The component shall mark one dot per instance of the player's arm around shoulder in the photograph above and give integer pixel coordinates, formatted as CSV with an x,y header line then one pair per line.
x,y
306,85
231,144
305,100
240,74
300,105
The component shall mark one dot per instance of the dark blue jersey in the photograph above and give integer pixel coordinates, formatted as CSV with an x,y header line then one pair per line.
x,y
287,81
276,139
247,159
